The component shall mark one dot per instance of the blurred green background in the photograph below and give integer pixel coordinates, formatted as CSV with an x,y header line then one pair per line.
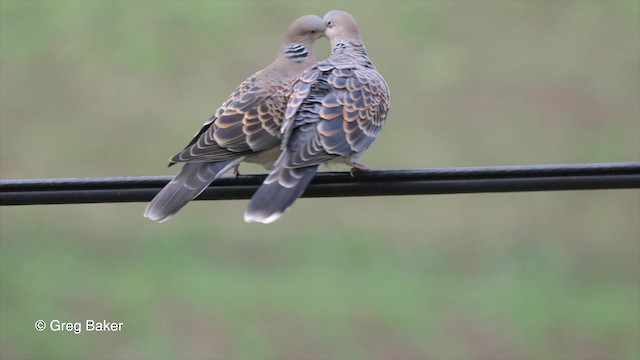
x,y
99,88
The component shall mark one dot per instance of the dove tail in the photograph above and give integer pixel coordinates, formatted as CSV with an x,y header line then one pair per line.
x,y
277,193
184,187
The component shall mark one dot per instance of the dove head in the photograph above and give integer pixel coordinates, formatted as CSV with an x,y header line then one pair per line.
x,y
298,52
305,30
341,27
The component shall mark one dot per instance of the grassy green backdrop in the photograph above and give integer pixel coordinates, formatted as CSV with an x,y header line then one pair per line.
x,y
100,88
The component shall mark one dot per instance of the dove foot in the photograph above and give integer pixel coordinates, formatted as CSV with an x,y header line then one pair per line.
x,y
236,171
357,167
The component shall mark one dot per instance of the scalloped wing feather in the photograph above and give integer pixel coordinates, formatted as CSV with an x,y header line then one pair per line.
x,y
345,120
249,121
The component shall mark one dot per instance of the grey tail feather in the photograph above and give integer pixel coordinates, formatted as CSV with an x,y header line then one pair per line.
x,y
277,193
192,180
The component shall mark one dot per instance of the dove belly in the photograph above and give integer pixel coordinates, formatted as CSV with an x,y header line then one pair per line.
x,y
342,160
265,158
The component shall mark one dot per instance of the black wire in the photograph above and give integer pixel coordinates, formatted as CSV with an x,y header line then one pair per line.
x,y
336,184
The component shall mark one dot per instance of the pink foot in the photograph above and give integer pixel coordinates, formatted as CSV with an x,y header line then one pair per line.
x,y
357,167
236,171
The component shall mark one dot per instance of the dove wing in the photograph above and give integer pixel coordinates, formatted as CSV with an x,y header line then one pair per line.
x,y
249,121
333,111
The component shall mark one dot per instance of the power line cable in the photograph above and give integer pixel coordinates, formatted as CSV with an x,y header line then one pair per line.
x,y
624,175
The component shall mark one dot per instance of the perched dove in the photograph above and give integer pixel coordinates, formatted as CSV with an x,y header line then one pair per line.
x,y
245,128
335,112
